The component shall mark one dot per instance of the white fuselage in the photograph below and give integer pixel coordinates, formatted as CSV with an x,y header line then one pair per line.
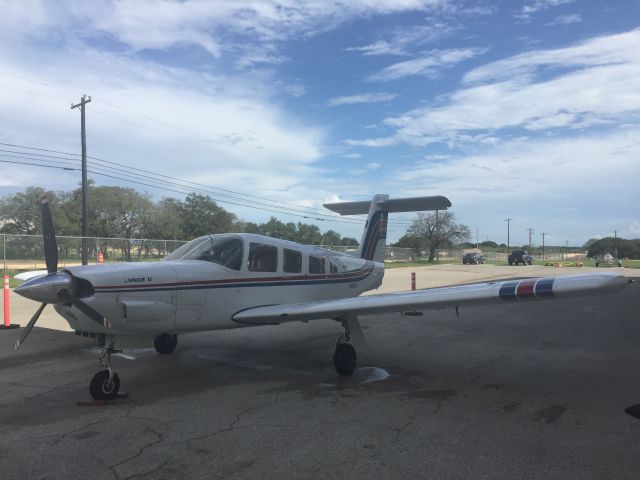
x,y
174,296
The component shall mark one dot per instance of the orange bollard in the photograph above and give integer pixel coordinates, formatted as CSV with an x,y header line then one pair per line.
x,y
7,322
413,313
100,257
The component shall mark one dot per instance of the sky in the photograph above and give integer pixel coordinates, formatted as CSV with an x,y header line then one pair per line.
x,y
528,110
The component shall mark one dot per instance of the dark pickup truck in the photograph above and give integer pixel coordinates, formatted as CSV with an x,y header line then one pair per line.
x,y
520,256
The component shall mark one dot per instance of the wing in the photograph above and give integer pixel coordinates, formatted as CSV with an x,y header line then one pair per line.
x,y
434,298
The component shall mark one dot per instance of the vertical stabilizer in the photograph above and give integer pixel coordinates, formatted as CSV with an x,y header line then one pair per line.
x,y
374,236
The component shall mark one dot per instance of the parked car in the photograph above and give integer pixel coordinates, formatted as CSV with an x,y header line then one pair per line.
x,y
472,258
520,256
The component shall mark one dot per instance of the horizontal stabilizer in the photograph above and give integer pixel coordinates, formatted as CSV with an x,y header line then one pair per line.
x,y
415,204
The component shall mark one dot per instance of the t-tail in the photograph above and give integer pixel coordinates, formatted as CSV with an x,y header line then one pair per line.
x,y
375,230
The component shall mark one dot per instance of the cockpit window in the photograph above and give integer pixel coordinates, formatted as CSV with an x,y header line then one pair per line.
x,y
182,251
225,251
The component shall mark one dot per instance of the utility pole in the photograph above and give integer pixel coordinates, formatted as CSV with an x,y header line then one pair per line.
x,y
530,230
508,220
543,234
615,236
83,101
566,243
477,236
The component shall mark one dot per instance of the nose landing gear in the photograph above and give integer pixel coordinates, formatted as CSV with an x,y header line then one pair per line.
x,y
106,383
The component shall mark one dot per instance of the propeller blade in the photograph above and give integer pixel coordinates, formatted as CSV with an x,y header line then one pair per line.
x,y
29,326
49,236
90,312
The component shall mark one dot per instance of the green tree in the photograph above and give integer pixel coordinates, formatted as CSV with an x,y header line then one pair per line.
x,y
20,212
309,234
201,215
439,231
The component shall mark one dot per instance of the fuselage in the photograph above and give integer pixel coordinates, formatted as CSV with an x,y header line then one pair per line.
x,y
204,283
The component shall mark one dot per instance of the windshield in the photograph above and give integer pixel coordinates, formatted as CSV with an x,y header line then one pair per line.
x,y
223,250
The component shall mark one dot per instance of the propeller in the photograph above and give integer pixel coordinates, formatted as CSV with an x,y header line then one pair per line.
x,y
55,287
29,326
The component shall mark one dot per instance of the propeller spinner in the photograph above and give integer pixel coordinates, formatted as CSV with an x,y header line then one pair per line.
x,y
55,287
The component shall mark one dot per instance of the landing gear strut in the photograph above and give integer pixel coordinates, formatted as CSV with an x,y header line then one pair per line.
x,y
106,383
345,358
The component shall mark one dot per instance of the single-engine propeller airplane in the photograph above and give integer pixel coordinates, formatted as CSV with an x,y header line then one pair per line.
x,y
226,281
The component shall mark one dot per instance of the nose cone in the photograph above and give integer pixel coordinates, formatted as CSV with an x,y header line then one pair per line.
x,y
45,289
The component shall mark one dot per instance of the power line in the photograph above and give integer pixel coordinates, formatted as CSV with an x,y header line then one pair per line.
x,y
309,213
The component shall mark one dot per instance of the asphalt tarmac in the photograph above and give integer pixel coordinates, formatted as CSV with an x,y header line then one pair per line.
x,y
524,390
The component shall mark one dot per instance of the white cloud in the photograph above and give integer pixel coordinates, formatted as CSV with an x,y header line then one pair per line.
x,y
362,98
538,6
428,64
402,39
600,87
565,19
575,185
372,142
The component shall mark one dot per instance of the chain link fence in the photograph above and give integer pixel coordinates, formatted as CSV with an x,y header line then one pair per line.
x,y
25,252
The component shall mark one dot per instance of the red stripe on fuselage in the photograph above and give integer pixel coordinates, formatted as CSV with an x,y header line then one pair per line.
x,y
353,274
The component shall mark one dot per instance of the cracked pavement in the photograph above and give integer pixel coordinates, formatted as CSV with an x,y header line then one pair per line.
x,y
514,391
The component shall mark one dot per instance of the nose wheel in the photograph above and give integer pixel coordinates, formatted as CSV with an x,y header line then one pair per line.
x,y
106,383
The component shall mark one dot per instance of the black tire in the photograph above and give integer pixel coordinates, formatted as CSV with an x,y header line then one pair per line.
x,y
165,343
100,389
344,359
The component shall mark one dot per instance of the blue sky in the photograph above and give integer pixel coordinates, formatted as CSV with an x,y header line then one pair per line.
x,y
528,110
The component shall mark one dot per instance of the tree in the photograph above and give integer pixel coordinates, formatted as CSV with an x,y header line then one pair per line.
x,y
489,244
119,212
201,215
330,238
166,220
349,242
309,234
20,213
439,230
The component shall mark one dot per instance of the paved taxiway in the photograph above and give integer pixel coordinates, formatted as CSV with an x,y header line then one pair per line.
x,y
525,390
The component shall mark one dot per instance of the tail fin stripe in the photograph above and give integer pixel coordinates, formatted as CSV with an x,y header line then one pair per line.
x,y
377,230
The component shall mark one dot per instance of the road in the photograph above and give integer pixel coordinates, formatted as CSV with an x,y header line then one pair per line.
x,y
526,390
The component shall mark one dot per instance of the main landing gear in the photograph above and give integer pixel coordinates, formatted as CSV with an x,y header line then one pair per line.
x,y
345,358
106,383
165,342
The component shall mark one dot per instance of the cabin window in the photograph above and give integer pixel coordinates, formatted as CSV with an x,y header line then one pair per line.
x,y
316,264
262,258
333,266
292,261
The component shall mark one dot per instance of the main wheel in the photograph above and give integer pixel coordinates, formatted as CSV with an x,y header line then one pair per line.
x,y
344,359
165,342
101,389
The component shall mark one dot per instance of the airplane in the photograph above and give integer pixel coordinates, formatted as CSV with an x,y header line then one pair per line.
x,y
235,280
